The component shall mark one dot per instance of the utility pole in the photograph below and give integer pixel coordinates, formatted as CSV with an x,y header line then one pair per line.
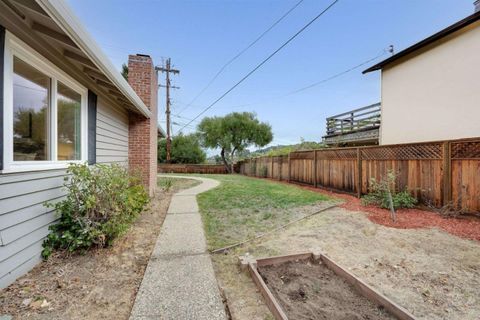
x,y
168,69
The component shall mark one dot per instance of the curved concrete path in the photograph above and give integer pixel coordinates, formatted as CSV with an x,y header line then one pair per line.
x,y
179,282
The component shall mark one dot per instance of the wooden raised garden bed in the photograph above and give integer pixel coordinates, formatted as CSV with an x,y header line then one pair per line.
x,y
310,285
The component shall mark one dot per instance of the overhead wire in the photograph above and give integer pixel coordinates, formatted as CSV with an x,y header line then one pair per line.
x,y
264,61
317,83
241,52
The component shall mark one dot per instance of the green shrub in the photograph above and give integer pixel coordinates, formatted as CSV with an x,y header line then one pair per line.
x,y
379,194
101,203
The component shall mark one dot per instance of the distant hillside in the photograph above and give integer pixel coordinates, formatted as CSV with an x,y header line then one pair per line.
x,y
285,149
277,150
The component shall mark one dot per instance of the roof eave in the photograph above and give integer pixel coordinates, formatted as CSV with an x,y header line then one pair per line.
x,y
437,36
161,131
66,19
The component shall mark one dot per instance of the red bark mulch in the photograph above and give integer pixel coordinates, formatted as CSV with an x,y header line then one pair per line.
x,y
467,227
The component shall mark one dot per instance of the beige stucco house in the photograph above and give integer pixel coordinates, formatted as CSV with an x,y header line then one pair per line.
x,y
431,90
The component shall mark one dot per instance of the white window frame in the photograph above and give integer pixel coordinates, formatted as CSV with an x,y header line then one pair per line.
x,y
16,47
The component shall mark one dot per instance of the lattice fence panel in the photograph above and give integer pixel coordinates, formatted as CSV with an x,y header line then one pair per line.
x,y
466,150
404,152
337,154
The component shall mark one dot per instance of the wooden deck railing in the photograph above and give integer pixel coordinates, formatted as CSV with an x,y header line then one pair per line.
x,y
365,118
437,173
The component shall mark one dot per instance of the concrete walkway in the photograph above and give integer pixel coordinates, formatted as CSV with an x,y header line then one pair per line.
x,y
179,282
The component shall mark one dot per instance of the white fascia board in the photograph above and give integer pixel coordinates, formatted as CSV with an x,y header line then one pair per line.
x,y
160,129
64,17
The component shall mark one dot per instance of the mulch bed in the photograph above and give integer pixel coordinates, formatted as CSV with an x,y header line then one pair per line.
x,y
467,227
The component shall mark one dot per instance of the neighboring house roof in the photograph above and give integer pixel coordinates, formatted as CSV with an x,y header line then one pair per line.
x,y
437,36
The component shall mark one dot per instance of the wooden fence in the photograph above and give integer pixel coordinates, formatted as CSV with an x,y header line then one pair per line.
x,y
436,173
191,168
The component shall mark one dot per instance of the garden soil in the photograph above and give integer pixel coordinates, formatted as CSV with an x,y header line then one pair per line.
x,y
308,291
101,284
429,272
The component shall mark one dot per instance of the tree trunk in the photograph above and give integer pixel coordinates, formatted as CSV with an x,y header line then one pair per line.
x,y
225,163
232,170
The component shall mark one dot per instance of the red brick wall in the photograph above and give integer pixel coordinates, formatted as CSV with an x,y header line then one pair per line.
x,y
142,135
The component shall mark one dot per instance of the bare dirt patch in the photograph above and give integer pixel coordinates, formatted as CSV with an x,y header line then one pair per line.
x,y
429,272
307,290
101,284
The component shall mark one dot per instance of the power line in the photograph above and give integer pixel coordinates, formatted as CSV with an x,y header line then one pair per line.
x,y
337,75
239,54
264,61
182,117
309,86
178,124
325,80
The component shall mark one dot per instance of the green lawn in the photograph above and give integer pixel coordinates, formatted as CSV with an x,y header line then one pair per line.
x,y
242,207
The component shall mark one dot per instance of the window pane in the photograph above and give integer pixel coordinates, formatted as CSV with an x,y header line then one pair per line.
x,y
30,113
68,104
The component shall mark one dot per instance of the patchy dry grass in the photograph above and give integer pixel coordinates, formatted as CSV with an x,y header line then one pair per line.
x,y
172,184
431,273
243,207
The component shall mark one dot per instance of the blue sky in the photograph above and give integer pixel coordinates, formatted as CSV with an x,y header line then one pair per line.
x,y
201,35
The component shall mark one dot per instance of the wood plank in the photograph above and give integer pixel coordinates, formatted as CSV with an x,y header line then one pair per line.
x,y
80,59
270,300
419,168
367,291
447,173
58,36
359,173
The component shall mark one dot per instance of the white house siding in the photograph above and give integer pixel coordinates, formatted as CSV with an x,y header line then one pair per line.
x,y
24,220
434,94
112,133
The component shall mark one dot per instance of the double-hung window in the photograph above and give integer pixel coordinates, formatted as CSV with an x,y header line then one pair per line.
x,y
45,112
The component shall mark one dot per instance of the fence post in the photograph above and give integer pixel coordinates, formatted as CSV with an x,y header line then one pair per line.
x,y
271,174
289,168
280,162
447,173
359,172
315,168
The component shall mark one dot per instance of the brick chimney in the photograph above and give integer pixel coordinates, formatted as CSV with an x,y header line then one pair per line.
x,y
142,132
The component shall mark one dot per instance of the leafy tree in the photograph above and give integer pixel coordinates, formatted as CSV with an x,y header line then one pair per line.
x,y
234,133
125,71
185,149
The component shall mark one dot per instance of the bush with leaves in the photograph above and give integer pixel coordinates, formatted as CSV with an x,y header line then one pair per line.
x,y
101,203
381,191
185,149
